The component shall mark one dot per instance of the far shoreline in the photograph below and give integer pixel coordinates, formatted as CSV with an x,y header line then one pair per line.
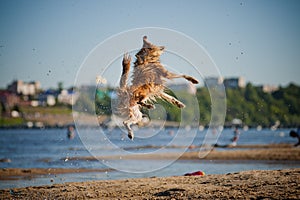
x,y
277,153
169,125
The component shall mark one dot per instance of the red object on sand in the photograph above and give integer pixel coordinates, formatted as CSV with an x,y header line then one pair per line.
x,y
197,173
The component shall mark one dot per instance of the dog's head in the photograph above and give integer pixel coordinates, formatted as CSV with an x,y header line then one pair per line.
x,y
149,52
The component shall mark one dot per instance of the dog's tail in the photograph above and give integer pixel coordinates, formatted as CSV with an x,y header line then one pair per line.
x,y
125,73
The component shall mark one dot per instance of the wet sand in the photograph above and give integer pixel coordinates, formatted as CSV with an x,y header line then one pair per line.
x,y
276,184
18,173
264,152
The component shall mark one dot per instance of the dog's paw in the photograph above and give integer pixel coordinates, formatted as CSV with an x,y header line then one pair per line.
x,y
130,135
150,106
191,79
126,59
180,105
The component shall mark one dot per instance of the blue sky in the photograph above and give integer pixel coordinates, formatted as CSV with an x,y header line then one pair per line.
x,y
48,40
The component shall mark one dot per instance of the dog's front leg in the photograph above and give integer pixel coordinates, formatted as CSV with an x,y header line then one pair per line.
x,y
170,75
125,73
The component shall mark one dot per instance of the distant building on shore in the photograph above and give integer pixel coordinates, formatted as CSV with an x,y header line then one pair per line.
x,y
187,87
22,88
213,81
8,101
234,83
269,88
51,97
46,98
68,97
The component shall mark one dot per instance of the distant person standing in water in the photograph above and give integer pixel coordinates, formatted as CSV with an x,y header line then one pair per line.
x,y
235,137
71,132
295,134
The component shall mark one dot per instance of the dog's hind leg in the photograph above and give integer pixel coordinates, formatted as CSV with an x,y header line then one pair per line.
x,y
127,124
135,116
146,105
172,100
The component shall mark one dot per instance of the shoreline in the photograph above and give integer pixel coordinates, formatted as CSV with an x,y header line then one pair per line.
x,y
263,153
280,152
254,184
28,173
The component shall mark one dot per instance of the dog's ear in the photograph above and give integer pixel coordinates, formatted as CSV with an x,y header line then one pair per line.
x,y
147,44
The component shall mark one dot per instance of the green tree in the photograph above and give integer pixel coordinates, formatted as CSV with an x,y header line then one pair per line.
x,y
103,102
60,86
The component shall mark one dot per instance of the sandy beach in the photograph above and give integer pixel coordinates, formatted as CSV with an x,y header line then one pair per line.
x,y
276,184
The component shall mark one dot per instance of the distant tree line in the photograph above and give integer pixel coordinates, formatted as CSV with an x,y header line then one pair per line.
x,y
250,104
255,107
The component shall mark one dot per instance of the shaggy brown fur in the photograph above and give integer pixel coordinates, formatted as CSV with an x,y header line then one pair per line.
x,y
148,83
